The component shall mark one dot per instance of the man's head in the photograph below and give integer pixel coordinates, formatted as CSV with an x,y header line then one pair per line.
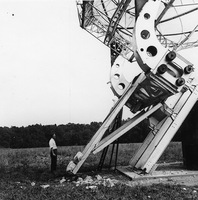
x,y
53,135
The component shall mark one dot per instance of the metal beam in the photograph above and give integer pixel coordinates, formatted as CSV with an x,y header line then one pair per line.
x,y
111,116
126,127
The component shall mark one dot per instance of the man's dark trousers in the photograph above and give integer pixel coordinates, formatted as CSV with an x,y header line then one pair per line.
x,y
53,160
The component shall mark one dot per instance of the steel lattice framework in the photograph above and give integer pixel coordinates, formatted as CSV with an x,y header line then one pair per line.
x,y
144,36
112,22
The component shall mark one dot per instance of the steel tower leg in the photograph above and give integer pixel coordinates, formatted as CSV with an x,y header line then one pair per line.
x,y
109,119
163,132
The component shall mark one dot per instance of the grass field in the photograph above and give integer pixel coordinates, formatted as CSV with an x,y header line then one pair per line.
x,y
25,173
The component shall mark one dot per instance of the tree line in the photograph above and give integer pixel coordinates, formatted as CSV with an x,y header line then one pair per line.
x,y
75,134
67,135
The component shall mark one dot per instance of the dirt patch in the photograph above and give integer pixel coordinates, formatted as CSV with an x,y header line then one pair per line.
x,y
172,174
118,178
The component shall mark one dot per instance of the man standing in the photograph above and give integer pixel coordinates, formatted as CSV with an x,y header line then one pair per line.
x,y
53,152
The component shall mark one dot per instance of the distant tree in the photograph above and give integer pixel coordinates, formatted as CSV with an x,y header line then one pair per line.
x,y
5,137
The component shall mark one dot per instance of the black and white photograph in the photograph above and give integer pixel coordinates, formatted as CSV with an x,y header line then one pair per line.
x,y
98,99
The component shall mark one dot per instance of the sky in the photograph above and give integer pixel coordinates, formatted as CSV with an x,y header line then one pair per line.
x,y
51,70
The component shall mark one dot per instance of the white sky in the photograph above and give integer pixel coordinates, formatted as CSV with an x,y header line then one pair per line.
x,y
51,70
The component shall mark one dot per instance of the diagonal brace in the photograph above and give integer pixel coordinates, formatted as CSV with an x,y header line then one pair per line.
x,y
108,120
126,127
